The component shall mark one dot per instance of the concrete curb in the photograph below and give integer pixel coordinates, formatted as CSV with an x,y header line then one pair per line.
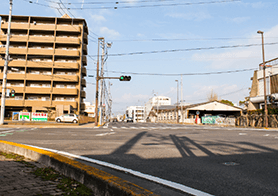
x,y
102,183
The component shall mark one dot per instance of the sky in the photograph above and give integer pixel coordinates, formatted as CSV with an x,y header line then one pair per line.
x,y
190,39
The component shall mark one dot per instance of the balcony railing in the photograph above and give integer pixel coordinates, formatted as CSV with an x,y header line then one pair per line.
x,y
68,40
65,52
65,91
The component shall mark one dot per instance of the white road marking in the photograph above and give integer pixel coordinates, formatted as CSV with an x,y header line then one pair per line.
x,y
242,133
103,134
158,180
7,131
266,135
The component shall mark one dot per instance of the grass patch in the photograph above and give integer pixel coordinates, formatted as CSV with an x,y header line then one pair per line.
x,y
67,185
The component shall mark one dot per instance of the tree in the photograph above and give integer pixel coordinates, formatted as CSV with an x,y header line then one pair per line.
x,y
212,96
227,102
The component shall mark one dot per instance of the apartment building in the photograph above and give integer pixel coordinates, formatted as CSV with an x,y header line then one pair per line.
x,y
156,101
257,89
48,63
136,113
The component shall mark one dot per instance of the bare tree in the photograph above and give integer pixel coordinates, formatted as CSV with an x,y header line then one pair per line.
x,y
212,96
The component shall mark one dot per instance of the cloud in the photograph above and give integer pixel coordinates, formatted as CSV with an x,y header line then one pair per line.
x,y
237,58
129,98
98,18
196,16
223,91
110,33
240,19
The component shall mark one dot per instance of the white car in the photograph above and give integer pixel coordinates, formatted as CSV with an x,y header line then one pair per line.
x,y
67,118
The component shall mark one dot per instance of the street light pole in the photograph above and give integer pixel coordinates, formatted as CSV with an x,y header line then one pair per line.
x,y
265,102
177,101
7,58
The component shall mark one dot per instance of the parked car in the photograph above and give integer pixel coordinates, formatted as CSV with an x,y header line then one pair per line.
x,y
129,119
67,118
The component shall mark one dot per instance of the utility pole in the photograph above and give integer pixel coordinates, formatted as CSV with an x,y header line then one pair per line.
x,y
97,79
7,58
265,102
101,81
181,100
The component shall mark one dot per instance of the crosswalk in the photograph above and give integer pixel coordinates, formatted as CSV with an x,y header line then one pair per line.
x,y
10,131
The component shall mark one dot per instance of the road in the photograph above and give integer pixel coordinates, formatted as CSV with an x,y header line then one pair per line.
x,y
215,160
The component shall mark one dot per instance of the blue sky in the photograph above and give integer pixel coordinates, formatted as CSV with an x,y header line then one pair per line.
x,y
158,28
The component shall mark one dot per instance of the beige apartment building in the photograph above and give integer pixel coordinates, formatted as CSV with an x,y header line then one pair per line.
x,y
48,64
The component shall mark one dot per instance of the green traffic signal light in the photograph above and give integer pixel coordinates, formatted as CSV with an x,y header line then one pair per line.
x,y
12,93
125,78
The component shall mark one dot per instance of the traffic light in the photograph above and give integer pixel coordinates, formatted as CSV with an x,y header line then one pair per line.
x,y
125,78
12,93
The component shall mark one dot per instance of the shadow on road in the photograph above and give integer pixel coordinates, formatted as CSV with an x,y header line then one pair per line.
x,y
247,169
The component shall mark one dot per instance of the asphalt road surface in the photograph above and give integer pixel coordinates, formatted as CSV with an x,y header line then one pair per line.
x,y
215,160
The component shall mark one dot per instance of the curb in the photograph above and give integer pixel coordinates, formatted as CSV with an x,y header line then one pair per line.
x,y
101,183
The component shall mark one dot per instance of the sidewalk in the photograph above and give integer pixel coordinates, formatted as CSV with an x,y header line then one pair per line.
x,y
17,178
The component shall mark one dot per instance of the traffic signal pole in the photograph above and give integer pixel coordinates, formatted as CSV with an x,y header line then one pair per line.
x,y
4,82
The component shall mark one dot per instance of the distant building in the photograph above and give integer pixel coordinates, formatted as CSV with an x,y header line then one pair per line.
x,y
257,89
48,66
156,101
90,109
136,113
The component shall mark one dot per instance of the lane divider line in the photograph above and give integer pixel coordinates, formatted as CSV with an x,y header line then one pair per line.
x,y
158,180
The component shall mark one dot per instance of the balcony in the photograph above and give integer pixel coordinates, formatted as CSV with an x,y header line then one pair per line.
x,y
39,103
40,51
68,40
14,63
15,38
42,64
85,50
83,94
37,90
15,25
84,71
65,78
13,102
17,89
14,50
85,38
43,27
66,65
83,106
65,52
38,77
84,60
69,28
42,39
83,82
13,76
65,91
72,103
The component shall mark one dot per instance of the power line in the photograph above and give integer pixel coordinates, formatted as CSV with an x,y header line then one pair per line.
x,y
112,2
141,6
234,92
189,49
179,74
187,39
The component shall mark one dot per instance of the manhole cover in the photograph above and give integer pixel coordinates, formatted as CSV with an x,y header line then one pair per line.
x,y
230,163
